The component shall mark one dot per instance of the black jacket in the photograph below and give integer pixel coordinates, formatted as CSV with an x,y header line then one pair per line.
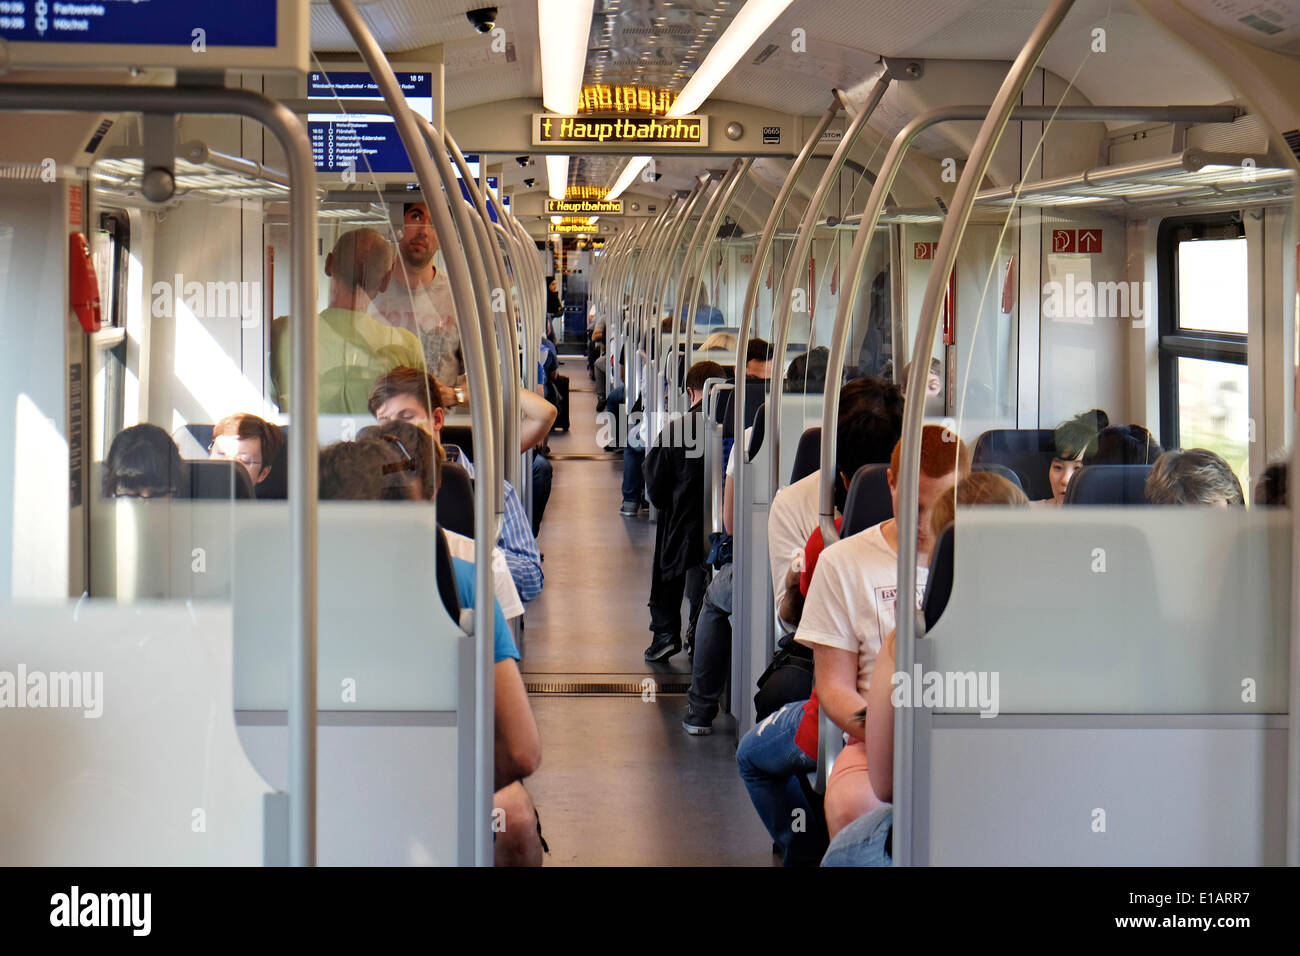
x,y
674,481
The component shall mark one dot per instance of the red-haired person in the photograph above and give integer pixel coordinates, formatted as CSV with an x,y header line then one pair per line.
x,y
851,607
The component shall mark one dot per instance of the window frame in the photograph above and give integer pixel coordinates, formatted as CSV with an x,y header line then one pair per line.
x,y
1175,342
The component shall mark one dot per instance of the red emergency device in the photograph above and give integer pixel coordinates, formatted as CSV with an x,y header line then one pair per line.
x,y
83,284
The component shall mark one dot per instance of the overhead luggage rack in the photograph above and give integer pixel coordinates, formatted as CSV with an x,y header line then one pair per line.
x,y
1191,178
120,178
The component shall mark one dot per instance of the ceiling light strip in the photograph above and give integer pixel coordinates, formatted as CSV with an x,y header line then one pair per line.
x,y
750,24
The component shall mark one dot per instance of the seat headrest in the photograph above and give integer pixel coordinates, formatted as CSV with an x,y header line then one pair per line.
x,y
868,502
807,456
218,479
456,500
1108,485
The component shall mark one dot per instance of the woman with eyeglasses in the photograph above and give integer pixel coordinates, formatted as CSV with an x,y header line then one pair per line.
x,y
143,462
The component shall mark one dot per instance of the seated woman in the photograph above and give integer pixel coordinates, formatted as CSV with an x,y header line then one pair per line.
x,y
143,462
724,341
866,841
374,469
1195,476
1072,440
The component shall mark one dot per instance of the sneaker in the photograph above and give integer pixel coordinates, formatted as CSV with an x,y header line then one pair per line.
x,y
696,725
664,647
629,509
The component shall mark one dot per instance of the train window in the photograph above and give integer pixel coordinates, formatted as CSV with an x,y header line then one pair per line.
x,y
1203,321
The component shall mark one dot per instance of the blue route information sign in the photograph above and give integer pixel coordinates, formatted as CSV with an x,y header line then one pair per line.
x,y
362,143
223,23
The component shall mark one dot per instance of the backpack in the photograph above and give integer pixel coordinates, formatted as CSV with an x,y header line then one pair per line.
x,y
788,678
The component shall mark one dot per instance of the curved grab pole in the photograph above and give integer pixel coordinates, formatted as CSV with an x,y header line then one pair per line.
x,y
963,201
662,271
782,317
640,267
643,300
664,276
741,663
477,370
470,246
504,322
619,301
669,366
694,269
875,205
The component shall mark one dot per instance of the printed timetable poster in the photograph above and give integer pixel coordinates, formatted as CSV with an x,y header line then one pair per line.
x,y
224,23
362,142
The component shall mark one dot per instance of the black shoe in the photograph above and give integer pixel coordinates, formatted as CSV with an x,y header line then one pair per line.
x,y
696,724
664,647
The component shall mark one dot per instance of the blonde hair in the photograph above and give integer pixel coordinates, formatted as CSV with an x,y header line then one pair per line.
x,y
721,340
977,488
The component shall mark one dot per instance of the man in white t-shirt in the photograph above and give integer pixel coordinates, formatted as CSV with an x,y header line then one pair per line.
x,y
418,298
851,607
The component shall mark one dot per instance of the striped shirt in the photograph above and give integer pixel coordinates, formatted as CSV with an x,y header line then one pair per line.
x,y
516,540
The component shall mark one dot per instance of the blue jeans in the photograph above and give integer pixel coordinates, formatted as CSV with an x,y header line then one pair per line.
x,y
862,842
769,764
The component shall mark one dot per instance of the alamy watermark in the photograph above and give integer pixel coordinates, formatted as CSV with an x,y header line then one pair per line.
x,y
1083,301
208,300
74,690
130,910
640,430
951,690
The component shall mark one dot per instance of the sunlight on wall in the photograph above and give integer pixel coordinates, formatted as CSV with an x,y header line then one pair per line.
x,y
211,376
40,515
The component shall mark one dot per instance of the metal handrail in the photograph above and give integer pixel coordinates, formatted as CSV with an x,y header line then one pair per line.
x,y
292,136
727,193
432,177
908,620
870,219
781,312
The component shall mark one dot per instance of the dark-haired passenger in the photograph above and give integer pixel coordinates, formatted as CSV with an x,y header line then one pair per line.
x,y
418,299
407,395
758,359
674,480
143,462
419,447
1072,440
1193,476
249,440
1271,488
1124,445
374,469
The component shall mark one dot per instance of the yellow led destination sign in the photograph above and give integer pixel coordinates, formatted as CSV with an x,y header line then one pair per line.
x,y
550,129
573,227
603,98
586,192
588,207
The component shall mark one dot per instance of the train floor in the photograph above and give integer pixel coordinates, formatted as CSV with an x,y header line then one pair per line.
x,y
620,783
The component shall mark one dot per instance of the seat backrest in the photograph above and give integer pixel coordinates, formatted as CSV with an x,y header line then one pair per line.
x,y
1026,451
807,456
938,584
1108,485
218,479
447,577
755,393
456,500
462,436
1000,470
868,502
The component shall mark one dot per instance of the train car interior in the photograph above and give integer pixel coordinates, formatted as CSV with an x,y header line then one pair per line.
x,y
685,334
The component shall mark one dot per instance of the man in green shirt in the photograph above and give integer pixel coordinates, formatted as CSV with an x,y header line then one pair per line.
x,y
352,348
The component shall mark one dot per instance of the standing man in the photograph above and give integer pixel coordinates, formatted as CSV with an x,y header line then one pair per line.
x,y
418,298
352,348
